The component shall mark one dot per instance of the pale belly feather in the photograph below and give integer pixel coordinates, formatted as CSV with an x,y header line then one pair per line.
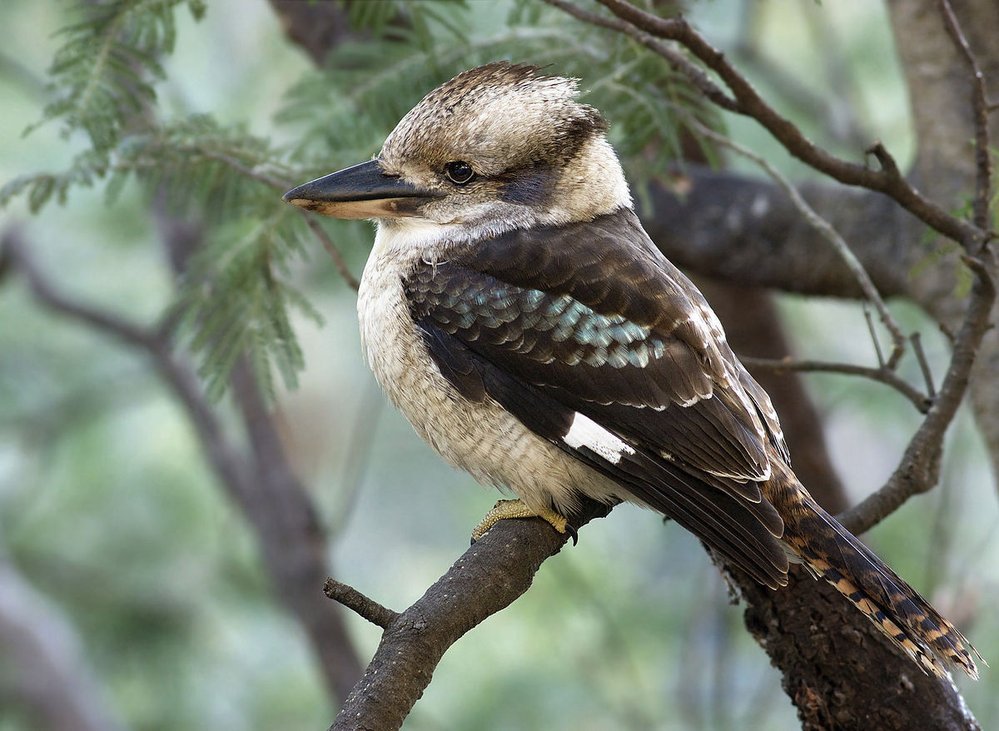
x,y
479,437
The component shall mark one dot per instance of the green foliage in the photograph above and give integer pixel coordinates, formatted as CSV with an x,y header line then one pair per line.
x,y
40,188
392,18
100,75
237,293
344,112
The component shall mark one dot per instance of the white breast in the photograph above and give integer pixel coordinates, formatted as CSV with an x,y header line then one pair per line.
x,y
481,438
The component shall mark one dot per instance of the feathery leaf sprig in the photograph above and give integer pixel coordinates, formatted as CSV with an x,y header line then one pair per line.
x,y
101,75
240,292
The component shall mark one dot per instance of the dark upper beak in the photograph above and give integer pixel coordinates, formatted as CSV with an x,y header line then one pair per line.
x,y
361,191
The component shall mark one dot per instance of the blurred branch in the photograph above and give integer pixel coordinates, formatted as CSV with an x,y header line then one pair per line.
x,y
14,249
45,661
358,455
317,27
274,501
259,482
980,105
14,253
24,77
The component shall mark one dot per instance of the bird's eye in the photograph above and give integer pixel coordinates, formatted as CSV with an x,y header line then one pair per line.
x,y
459,172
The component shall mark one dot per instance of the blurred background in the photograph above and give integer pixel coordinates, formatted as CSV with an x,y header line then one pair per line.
x,y
121,551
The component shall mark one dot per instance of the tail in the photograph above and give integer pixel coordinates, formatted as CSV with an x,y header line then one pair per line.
x,y
831,552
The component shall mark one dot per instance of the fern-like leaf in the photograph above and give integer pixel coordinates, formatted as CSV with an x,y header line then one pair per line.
x,y
102,73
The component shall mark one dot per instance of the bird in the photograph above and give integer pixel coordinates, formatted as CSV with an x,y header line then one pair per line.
x,y
516,312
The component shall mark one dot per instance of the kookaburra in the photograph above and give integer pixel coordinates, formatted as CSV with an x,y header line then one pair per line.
x,y
515,310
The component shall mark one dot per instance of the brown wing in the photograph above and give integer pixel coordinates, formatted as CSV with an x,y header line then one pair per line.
x,y
591,320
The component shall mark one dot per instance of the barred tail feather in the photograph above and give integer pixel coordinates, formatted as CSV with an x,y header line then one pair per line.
x,y
894,607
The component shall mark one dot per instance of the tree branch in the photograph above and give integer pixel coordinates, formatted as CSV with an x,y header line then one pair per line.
x,y
490,576
919,468
881,374
980,107
265,491
749,103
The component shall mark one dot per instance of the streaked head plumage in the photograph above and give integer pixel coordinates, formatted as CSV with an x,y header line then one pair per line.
x,y
501,116
497,147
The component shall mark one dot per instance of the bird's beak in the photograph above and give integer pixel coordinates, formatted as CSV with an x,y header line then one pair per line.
x,y
361,191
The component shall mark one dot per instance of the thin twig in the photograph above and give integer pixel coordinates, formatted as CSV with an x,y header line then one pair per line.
x,y
358,457
361,605
279,184
882,375
924,365
918,470
827,232
251,172
338,261
874,336
640,24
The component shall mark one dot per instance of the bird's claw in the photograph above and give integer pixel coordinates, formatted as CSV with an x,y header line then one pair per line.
x,y
507,509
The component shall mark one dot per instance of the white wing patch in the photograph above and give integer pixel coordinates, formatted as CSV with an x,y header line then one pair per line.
x,y
585,432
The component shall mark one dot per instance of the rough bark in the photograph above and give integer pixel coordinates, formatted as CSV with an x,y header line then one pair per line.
x,y
837,669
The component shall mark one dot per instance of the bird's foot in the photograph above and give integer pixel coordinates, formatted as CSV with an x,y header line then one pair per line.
x,y
505,509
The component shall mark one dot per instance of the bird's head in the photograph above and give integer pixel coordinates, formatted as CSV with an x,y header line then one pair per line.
x,y
498,147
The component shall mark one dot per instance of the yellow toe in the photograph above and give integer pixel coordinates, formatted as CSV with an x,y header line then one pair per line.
x,y
507,509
